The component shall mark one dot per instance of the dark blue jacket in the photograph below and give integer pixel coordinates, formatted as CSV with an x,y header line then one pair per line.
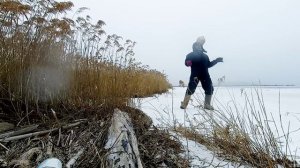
x,y
200,64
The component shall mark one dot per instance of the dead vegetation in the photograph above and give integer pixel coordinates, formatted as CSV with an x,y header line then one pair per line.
x,y
46,57
87,135
60,80
243,135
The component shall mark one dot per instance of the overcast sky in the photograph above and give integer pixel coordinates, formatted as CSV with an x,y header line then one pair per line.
x,y
259,40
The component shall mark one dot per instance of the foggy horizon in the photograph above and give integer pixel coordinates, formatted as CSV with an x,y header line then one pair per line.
x,y
258,40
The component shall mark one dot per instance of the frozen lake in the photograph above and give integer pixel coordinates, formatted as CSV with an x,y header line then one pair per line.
x,y
281,106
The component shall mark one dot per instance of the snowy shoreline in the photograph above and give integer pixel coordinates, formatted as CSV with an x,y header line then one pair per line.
x,y
281,102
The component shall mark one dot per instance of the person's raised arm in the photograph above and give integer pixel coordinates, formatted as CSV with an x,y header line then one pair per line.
x,y
214,62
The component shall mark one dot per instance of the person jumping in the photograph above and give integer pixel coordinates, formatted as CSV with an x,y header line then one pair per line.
x,y
199,63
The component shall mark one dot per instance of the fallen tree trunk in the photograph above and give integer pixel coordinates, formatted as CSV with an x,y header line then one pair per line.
x,y
122,143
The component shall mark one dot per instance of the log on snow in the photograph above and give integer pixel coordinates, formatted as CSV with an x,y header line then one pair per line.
x,y
122,143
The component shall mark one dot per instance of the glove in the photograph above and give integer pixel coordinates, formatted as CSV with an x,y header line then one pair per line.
x,y
188,63
220,59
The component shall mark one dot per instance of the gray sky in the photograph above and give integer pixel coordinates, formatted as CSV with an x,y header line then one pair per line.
x,y
259,40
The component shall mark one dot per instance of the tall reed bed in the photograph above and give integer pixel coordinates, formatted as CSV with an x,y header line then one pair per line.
x,y
51,59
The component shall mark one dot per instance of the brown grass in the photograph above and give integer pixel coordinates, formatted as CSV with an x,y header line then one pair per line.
x,y
241,135
49,62
47,59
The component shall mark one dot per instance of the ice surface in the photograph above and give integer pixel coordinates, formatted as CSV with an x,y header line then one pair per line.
x,y
281,104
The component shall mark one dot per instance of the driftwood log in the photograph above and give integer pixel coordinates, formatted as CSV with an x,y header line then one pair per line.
x,y
122,143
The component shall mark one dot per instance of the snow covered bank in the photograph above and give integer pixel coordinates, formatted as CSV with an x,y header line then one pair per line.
x,y
280,104
200,156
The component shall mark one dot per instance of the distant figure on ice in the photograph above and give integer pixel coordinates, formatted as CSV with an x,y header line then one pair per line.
x,y
199,63
181,83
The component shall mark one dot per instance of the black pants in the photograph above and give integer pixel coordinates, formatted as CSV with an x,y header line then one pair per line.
x,y
205,82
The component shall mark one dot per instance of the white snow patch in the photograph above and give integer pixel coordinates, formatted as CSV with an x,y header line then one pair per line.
x,y
165,112
200,156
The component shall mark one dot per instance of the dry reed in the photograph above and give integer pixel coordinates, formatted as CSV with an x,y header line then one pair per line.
x,y
243,135
46,58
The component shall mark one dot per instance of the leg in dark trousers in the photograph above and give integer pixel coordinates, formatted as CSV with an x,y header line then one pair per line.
x,y
189,91
207,86
208,90
193,83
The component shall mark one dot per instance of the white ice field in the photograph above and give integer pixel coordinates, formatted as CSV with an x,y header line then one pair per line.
x,y
276,107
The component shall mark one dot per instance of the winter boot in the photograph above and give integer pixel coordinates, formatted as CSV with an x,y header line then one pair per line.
x,y
207,102
185,101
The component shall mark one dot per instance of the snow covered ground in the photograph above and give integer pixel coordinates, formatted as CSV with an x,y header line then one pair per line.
x,y
200,156
282,105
